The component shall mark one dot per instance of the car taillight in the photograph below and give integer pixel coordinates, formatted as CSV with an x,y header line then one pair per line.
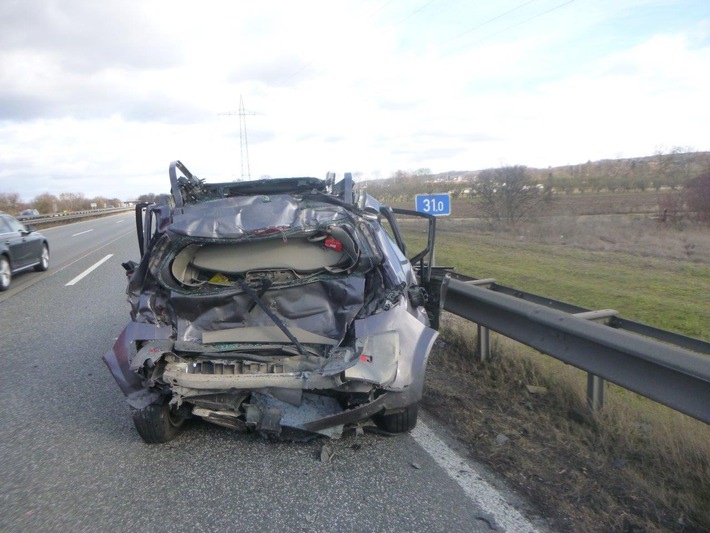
x,y
333,244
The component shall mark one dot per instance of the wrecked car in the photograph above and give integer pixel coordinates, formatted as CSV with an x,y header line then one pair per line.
x,y
275,305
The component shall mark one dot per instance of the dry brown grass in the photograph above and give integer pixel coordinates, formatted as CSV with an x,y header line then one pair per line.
x,y
633,235
630,234
612,222
636,466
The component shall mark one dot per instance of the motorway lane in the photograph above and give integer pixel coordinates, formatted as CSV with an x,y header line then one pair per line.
x,y
73,241
72,460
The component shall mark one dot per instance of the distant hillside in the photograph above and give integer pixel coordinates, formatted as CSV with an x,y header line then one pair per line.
x,y
637,173
661,171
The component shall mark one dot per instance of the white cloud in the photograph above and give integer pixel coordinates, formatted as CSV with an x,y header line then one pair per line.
x,y
99,97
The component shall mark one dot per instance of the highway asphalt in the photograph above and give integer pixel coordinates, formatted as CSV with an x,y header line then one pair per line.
x,y
72,461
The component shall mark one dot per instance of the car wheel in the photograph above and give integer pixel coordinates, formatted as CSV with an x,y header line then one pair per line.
x,y
158,423
400,422
43,260
5,273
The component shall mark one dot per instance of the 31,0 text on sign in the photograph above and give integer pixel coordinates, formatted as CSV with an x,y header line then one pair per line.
x,y
438,205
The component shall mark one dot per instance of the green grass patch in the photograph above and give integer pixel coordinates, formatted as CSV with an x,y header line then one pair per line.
x,y
667,294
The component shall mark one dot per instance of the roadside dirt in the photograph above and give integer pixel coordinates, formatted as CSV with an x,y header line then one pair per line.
x,y
542,443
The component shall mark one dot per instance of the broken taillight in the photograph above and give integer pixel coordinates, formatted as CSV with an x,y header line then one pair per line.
x,y
333,244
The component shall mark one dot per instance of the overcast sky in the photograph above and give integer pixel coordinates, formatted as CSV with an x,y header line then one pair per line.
x,y
99,97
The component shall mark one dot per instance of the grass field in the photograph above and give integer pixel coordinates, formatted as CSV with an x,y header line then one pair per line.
x,y
666,292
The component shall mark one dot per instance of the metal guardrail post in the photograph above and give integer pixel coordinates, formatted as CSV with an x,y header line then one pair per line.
x,y
484,334
484,343
596,388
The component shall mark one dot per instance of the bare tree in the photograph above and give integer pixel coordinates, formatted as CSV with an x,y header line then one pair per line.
x,y
670,206
697,195
9,202
674,167
73,201
45,203
508,195
149,198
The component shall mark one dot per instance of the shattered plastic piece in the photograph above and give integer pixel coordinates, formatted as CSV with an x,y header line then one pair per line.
x,y
535,390
219,279
326,454
501,439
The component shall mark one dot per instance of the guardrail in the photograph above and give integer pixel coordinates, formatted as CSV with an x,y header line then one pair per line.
x,y
671,369
42,220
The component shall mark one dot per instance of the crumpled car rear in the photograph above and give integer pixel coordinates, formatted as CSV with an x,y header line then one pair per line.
x,y
269,305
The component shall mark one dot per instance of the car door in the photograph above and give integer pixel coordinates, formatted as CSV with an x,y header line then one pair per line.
x,y
19,242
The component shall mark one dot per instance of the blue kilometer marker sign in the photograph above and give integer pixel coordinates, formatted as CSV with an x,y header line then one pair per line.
x,y
438,205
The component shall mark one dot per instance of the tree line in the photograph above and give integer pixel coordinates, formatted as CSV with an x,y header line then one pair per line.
x,y
666,170
10,202
513,194
508,195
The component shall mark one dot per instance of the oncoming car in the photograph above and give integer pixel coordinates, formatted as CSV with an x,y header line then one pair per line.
x,y
279,305
21,248
29,213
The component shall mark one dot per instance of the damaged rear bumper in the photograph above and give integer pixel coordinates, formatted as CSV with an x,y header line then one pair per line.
x,y
386,370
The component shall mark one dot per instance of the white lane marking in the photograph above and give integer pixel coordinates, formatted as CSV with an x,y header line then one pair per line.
x,y
82,232
89,270
87,254
119,221
476,488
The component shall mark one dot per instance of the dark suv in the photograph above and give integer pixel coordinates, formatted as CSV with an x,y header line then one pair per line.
x,y
274,305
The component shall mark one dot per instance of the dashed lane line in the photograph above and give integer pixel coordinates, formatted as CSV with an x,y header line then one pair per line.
x,y
89,270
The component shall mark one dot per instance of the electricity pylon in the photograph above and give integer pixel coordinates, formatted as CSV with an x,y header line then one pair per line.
x,y
243,142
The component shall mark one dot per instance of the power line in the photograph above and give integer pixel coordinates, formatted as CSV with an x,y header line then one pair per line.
x,y
493,19
411,14
502,30
379,9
